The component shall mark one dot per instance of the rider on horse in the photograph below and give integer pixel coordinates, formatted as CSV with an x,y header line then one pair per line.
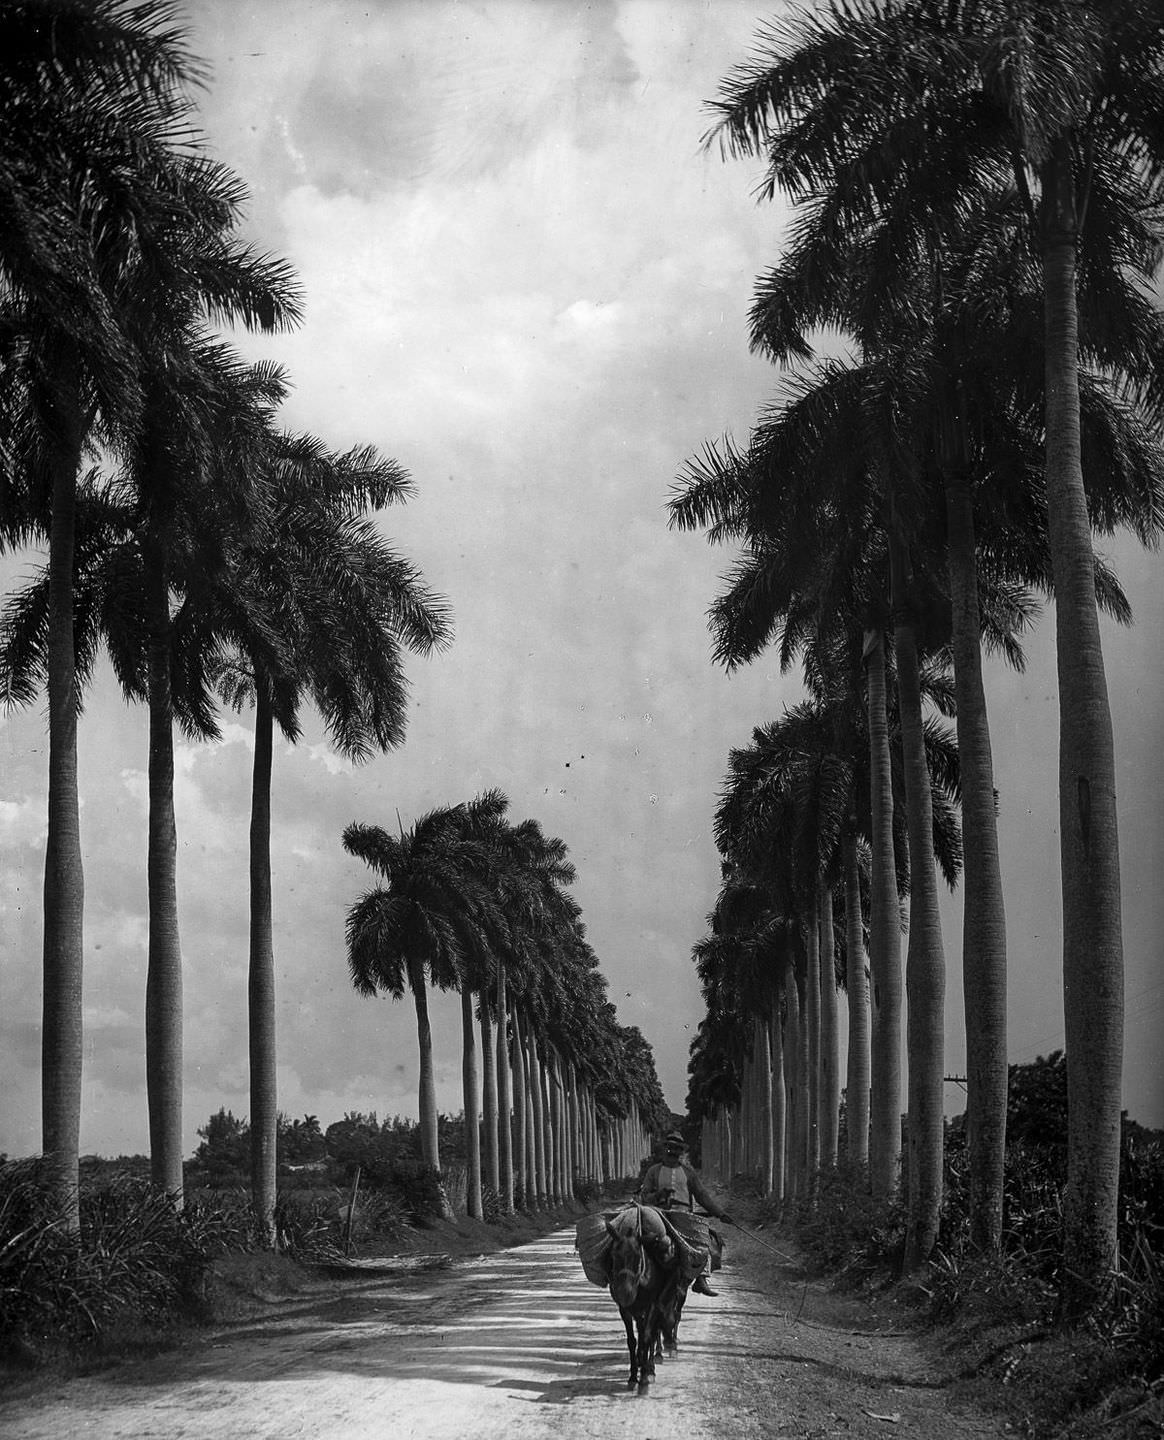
x,y
674,1186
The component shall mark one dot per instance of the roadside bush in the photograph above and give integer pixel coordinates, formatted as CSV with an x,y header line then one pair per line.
x,y
1093,1374
416,1188
847,1230
380,1217
307,1225
134,1256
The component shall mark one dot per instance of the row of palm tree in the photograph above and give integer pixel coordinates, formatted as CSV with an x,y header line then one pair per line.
x,y
976,199
469,901
118,251
218,559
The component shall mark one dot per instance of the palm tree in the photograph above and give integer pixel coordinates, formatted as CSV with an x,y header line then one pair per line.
x,y
917,108
416,927
186,489
318,606
92,103
529,870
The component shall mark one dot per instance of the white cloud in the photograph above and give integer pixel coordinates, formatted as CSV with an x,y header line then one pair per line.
x,y
333,762
22,822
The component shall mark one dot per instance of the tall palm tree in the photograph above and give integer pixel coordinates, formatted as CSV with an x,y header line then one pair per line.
x,y
317,607
187,494
417,926
529,872
92,104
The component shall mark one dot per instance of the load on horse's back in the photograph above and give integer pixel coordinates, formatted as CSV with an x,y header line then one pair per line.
x,y
641,1256
673,1185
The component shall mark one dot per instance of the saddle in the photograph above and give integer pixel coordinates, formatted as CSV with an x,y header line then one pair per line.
x,y
692,1241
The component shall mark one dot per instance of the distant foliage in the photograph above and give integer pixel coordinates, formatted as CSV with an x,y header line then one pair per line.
x,y
385,1154
224,1153
1037,1103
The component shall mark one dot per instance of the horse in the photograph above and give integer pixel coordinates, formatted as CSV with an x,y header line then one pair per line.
x,y
647,1285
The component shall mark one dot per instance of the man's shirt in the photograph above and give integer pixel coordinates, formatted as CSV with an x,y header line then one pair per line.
x,y
686,1186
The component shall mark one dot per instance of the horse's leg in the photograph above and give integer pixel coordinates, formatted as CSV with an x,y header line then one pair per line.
x,y
632,1344
680,1297
646,1350
661,1326
672,1314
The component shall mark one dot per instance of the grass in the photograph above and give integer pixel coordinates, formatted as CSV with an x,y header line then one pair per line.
x,y
997,1316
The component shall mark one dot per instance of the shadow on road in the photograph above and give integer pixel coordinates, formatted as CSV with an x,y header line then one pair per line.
x,y
526,1321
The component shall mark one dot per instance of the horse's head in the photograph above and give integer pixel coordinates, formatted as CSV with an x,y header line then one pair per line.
x,y
629,1262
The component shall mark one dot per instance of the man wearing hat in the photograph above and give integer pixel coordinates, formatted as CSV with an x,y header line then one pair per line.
x,y
673,1185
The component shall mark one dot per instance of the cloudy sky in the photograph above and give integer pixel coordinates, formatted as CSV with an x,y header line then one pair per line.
x,y
527,284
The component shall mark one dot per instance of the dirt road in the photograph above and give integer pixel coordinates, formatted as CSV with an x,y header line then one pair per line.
x,y
520,1345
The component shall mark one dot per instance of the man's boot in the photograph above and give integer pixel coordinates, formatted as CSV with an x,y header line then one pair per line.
x,y
701,1287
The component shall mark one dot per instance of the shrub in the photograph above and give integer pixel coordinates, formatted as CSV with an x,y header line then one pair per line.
x,y
847,1230
379,1216
134,1255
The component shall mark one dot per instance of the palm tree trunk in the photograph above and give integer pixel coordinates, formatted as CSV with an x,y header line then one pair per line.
x,y
492,1158
763,1050
1093,963
164,970
261,982
812,1043
472,1101
795,1087
549,1120
520,1114
505,1106
539,1116
884,942
925,978
779,1104
577,1168
857,992
984,914
529,1156
426,1085
62,1038
830,1090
